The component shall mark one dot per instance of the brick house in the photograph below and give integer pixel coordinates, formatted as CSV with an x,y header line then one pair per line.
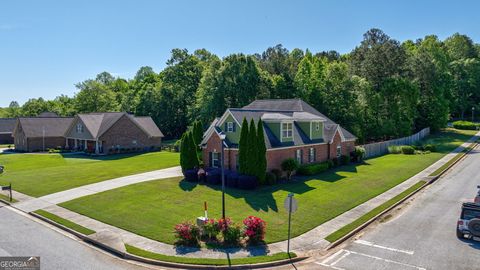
x,y
104,133
6,130
292,129
40,133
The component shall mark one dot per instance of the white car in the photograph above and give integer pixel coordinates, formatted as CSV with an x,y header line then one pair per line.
x,y
468,225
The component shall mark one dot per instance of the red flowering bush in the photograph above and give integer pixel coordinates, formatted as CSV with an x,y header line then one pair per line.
x,y
223,224
254,229
187,233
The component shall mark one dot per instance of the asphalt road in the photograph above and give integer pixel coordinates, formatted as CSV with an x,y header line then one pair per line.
x,y
20,235
422,235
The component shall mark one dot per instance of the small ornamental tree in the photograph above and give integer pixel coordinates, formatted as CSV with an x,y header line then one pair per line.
x,y
243,148
261,154
289,165
188,152
183,152
197,132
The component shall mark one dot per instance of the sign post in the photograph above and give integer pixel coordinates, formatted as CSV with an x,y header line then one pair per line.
x,y
291,205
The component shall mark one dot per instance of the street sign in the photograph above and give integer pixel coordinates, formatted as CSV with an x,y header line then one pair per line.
x,y
293,201
291,205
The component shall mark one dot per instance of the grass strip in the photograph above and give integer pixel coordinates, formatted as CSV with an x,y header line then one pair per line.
x,y
451,161
207,261
7,198
357,223
65,222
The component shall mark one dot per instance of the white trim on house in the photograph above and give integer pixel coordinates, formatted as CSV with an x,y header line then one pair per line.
x,y
341,135
281,130
224,117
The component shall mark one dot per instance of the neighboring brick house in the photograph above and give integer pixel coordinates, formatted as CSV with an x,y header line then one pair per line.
x,y
40,133
104,133
6,130
292,129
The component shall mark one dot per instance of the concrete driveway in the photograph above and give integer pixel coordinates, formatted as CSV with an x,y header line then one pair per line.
x,y
67,195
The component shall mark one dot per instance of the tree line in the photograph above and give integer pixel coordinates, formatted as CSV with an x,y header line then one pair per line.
x,y
382,89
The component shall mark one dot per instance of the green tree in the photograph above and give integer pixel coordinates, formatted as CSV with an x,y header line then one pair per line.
x,y
261,148
94,96
243,148
188,152
14,109
252,152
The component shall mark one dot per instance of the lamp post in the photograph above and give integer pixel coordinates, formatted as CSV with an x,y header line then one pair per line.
x,y
473,110
222,139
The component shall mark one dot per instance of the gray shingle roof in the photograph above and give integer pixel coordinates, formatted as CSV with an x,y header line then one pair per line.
x,y
146,122
7,125
287,109
99,123
33,127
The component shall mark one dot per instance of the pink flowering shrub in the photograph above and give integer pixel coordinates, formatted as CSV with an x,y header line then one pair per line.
x,y
254,229
187,233
223,224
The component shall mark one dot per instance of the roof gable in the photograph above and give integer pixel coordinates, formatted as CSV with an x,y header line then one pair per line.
x,y
34,127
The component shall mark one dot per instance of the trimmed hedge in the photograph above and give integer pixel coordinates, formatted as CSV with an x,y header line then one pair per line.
x,y
247,182
231,179
312,169
408,150
466,125
191,175
270,178
214,177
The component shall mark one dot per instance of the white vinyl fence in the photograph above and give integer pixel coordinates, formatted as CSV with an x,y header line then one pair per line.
x,y
381,148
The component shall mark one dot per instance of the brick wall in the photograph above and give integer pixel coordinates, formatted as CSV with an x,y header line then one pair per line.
x,y
125,133
36,144
275,157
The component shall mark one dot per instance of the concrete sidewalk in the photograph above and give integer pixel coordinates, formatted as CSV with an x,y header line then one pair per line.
x,y
68,195
311,240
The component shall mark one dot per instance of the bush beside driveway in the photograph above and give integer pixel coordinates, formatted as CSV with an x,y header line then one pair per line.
x,y
152,209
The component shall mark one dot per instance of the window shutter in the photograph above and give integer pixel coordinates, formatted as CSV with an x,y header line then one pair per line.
x,y
210,159
234,127
301,156
314,154
226,126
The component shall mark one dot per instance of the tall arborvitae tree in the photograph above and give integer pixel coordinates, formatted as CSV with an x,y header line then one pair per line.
x,y
188,154
197,132
261,148
243,148
252,151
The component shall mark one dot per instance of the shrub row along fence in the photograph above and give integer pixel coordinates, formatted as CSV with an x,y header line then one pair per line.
x,y
381,148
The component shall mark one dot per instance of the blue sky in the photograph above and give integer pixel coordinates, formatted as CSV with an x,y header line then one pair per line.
x,y
48,46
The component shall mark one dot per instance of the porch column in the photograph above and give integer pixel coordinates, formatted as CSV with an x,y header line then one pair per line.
x,y
75,143
96,147
66,143
85,148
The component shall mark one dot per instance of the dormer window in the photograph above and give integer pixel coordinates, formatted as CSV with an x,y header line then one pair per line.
x,y
317,126
287,130
79,128
230,127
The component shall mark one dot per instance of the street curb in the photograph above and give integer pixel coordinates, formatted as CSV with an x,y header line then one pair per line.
x,y
373,219
128,256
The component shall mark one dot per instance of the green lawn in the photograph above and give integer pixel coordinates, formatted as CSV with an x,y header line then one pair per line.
x,y
40,174
207,261
64,222
153,208
6,145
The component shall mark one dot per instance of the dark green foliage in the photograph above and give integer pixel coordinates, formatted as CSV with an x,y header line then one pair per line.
x,y
197,131
277,173
188,152
243,148
359,153
465,125
270,178
408,150
430,147
289,165
312,169
344,159
261,149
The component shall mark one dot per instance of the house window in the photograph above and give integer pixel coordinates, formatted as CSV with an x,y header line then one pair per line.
x,y
298,156
311,155
317,126
287,130
134,142
79,128
230,127
215,160
339,151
